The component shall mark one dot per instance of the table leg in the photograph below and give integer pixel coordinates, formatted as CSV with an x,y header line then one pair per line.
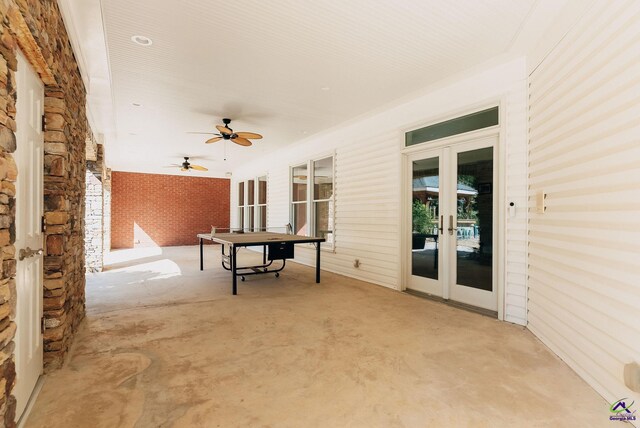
x,y
233,253
317,263
264,254
201,254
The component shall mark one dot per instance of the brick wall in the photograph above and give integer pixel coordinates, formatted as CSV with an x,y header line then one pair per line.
x,y
165,210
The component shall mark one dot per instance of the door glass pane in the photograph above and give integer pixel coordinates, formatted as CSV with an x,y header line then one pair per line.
x,y
299,187
425,214
474,243
300,219
324,220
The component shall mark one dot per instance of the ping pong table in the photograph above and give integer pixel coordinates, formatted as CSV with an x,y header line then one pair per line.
x,y
280,247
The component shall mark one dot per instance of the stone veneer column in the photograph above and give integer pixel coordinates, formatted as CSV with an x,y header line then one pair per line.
x,y
37,27
94,214
64,184
8,176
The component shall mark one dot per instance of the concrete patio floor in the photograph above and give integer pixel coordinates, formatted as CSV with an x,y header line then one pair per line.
x,y
165,345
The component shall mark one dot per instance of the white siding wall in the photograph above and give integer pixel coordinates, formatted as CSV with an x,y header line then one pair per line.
x,y
515,188
368,178
584,251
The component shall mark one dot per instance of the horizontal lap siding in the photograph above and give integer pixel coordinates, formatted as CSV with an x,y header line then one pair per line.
x,y
515,299
584,264
367,212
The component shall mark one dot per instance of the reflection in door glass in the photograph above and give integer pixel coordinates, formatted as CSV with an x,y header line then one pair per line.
x,y
474,243
425,211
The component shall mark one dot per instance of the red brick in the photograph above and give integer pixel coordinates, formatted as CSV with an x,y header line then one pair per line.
x,y
170,209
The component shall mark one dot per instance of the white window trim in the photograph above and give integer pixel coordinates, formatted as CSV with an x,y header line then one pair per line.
x,y
310,201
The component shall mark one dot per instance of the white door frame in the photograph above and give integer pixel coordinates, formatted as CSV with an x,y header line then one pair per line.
x,y
499,195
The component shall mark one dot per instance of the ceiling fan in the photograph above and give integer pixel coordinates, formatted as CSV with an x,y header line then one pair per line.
x,y
186,166
226,133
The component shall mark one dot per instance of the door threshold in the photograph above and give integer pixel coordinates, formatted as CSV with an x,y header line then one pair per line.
x,y
453,303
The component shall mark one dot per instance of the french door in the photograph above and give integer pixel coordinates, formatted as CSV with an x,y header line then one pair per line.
x,y
453,222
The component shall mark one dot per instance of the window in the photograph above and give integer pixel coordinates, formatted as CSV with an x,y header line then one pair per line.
x,y
299,178
261,208
241,205
459,125
312,200
252,204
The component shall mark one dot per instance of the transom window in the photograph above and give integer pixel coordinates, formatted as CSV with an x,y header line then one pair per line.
x,y
459,125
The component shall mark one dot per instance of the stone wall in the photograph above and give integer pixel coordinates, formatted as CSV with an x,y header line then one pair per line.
x,y
8,175
94,214
37,27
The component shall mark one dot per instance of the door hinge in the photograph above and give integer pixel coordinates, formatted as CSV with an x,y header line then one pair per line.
x,y
44,122
42,326
43,225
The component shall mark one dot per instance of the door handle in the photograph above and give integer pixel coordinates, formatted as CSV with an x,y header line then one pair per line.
x,y
441,228
25,253
451,228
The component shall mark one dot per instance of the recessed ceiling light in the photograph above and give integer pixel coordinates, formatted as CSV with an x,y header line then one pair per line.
x,y
142,40
325,88
305,132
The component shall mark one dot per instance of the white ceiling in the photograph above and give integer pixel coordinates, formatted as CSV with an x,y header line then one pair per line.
x,y
265,64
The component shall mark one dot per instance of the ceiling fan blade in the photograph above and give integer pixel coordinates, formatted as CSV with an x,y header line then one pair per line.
x,y
213,140
199,168
205,133
223,129
250,135
241,141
